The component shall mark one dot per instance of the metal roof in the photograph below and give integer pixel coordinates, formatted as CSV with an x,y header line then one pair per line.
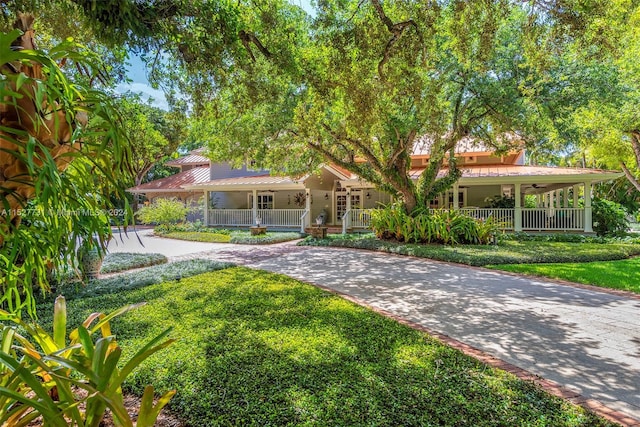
x,y
194,157
249,182
174,182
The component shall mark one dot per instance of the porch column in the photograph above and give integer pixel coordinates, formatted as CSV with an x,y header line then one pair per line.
x,y
347,213
456,189
255,205
576,191
565,197
538,201
588,215
307,206
517,212
206,207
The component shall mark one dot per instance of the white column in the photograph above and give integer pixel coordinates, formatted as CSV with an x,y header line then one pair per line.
x,y
255,205
588,215
565,197
517,219
456,189
576,191
206,207
307,206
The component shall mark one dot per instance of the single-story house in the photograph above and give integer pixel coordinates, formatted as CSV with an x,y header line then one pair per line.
x,y
241,197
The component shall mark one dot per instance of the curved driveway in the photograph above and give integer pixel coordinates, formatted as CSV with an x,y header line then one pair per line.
x,y
585,340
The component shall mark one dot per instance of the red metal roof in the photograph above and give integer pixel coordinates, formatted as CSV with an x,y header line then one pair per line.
x,y
174,182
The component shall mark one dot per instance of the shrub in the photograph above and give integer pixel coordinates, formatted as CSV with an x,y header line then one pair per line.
x,y
609,218
163,211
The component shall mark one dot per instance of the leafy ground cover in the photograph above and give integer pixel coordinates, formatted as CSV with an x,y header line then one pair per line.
x,y
257,348
622,274
199,233
507,252
145,277
121,261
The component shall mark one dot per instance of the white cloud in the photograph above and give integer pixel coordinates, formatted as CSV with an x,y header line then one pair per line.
x,y
146,92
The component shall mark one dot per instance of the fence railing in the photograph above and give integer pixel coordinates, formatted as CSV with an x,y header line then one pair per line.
x,y
280,217
533,219
231,217
540,219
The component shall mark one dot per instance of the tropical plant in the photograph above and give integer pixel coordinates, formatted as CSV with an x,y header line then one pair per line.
x,y
440,226
70,379
163,212
61,159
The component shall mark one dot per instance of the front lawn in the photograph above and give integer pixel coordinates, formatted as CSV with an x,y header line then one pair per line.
x,y
507,252
256,348
623,274
198,236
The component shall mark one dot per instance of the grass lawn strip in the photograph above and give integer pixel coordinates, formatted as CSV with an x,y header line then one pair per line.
x,y
121,261
623,274
198,236
256,348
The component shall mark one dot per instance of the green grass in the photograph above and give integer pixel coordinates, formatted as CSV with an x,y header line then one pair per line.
x,y
198,236
507,252
245,238
257,348
240,237
121,261
622,274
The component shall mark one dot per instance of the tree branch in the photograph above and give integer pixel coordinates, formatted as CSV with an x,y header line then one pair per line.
x,y
247,39
396,30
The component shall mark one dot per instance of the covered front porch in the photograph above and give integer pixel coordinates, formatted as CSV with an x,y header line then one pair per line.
x,y
541,199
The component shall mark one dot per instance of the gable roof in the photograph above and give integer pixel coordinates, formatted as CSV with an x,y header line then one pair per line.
x,y
194,157
175,182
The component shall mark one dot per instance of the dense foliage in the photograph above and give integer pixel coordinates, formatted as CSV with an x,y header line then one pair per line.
x,y
163,212
609,218
62,160
441,226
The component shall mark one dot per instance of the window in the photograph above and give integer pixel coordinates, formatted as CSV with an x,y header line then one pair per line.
x,y
265,201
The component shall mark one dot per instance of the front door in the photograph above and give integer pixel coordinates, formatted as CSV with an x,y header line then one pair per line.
x,y
341,203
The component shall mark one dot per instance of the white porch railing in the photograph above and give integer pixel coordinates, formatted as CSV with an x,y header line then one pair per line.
x,y
535,219
231,217
502,216
541,219
280,217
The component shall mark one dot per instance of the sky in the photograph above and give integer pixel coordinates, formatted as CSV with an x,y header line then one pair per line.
x,y
139,83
